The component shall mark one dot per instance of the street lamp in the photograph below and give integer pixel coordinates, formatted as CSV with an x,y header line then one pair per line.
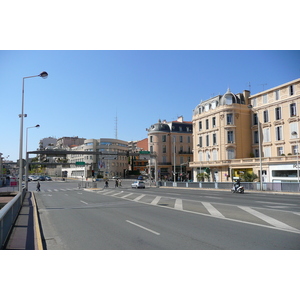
x,y
26,169
44,75
259,147
294,133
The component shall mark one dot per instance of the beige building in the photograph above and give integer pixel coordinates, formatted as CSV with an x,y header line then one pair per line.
x,y
170,145
227,135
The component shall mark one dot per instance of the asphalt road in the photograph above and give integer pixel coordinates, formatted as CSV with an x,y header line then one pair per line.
x,y
165,218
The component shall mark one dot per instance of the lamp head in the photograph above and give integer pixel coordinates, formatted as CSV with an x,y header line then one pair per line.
x,y
37,125
44,75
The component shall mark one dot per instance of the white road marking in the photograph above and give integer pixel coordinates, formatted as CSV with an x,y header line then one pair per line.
x,y
126,195
212,210
139,197
297,213
178,204
270,203
117,193
266,218
156,200
157,233
84,202
55,190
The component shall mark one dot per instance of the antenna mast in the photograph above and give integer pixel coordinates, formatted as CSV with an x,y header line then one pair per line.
x,y
116,127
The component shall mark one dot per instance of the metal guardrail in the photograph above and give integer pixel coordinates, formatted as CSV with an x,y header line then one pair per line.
x,y
254,186
8,216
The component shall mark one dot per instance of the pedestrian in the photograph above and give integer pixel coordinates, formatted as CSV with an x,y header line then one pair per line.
x,y
106,184
116,183
120,182
38,186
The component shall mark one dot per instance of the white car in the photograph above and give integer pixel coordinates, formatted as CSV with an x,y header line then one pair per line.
x,y
138,184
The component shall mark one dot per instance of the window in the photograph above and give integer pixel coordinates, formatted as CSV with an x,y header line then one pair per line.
x,y
215,154
214,122
207,155
230,153
266,135
255,137
180,128
164,150
151,138
254,102
255,119
266,116
279,151
267,151
278,132
293,112
291,89
207,140
180,139
277,113
188,139
295,150
151,149
229,119
207,125
164,138
200,141
200,125
229,136
214,139
276,95
265,98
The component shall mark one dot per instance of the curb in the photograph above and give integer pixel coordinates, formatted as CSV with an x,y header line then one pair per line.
x,y
36,227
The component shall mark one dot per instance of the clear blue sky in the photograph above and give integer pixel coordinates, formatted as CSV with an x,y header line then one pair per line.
x,y
87,90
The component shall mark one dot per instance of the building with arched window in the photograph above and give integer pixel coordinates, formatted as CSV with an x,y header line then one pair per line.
x,y
221,133
238,133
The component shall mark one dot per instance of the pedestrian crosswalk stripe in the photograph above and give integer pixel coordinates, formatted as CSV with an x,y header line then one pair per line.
x,y
266,218
156,200
212,210
139,197
178,204
126,195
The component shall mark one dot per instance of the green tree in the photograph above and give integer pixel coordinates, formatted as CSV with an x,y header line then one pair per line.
x,y
248,177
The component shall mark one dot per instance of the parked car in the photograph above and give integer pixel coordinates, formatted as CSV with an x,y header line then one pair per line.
x,y
116,177
42,178
140,177
48,178
34,177
138,184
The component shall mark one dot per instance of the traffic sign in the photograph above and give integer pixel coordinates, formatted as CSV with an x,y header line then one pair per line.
x,y
80,163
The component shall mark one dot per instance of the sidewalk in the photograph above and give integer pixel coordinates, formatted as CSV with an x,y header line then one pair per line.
x,y
25,234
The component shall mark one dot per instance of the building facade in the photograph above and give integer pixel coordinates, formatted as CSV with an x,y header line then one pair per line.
x,y
236,134
111,161
170,145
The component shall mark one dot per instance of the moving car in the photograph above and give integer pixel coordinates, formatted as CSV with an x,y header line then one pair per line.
x,y
138,184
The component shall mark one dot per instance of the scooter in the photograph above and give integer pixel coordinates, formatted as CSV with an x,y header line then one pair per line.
x,y
240,189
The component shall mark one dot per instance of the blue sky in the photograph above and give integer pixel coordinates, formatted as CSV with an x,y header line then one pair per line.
x,y
87,90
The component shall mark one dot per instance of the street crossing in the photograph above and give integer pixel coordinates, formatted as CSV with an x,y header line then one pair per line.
x,y
287,221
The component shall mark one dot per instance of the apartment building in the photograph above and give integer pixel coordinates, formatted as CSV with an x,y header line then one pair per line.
x,y
229,129
170,145
111,161
275,126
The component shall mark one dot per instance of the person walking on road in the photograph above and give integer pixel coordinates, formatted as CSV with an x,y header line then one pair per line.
x,y
38,186
116,183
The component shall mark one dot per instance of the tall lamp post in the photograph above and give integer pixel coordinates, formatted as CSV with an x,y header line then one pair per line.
x,y
294,133
26,169
44,75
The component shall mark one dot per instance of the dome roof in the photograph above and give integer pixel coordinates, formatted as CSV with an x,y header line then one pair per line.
x,y
228,98
159,127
